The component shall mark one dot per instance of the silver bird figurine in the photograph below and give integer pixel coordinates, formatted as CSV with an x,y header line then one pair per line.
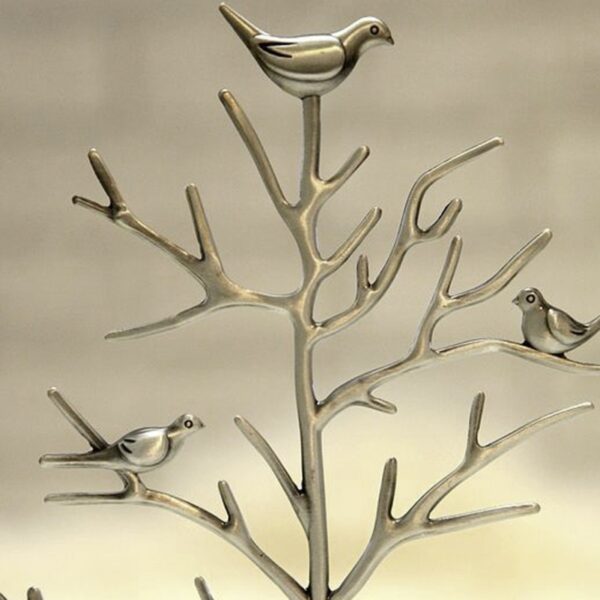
x,y
550,329
309,65
139,451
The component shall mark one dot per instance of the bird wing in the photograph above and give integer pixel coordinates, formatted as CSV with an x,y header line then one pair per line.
x,y
564,327
313,58
145,447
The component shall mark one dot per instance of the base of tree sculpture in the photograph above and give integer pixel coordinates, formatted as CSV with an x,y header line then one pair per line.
x,y
308,67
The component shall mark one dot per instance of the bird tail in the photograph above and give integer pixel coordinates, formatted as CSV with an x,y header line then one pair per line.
x,y
241,25
65,460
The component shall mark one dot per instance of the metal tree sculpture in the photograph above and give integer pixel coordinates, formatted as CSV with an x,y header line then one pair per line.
x,y
307,497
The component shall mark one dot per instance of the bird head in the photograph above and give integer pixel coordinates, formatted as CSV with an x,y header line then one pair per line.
x,y
184,425
529,299
364,34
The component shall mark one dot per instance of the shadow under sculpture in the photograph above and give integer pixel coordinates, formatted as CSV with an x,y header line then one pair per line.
x,y
307,497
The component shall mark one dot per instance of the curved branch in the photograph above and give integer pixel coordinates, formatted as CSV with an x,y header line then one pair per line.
x,y
166,324
417,522
503,277
444,302
348,169
356,238
295,496
206,269
358,391
410,233
134,491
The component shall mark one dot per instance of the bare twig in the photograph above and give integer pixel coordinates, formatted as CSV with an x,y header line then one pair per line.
x,y
233,528
358,391
255,147
356,238
417,522
202,588
410,233
207,269
294,494
346,171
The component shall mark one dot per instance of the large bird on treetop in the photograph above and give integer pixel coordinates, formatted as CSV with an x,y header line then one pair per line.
x,y
309,65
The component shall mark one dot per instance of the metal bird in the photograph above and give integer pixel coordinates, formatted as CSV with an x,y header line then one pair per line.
x,y
550,329
309,65
139,451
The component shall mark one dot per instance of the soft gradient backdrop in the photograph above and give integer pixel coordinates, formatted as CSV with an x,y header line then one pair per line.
x,y
138,80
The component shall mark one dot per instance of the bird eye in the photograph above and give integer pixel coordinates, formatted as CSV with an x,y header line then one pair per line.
x,y
374,30
530,298
188,424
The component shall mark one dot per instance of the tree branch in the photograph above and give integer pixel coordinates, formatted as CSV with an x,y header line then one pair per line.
x,y
295,496
359,390
233,528
410,233
356,238
444,302
202,588
206,269
257,152
348,169
417,522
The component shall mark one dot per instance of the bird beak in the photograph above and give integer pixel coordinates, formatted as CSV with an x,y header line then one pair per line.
x,y
390,40
515,300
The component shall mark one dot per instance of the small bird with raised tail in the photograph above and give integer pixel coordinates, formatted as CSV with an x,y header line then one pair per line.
x,y
309,65
139,451
550,329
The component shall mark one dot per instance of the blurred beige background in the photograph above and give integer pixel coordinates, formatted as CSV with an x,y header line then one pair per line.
x,y
138,80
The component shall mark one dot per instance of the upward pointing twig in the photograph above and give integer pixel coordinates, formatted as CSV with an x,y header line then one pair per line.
x,y
233,529
81,425
410,233
206,241
256,149
417,522
202,588
294,495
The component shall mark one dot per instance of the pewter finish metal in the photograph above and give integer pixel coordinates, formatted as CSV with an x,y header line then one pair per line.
x,y
134,491
417,522
32,594
307,497
201,587
138,451
550,329
309,65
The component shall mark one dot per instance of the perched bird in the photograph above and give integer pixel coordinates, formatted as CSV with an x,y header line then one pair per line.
x,y
309,65
138,451
549,329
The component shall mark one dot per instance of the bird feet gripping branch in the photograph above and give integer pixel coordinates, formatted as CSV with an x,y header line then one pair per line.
x,y
550,329
309,65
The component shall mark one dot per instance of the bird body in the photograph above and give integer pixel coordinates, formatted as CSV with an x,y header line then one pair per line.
x,y
550,329
308,65
138,451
